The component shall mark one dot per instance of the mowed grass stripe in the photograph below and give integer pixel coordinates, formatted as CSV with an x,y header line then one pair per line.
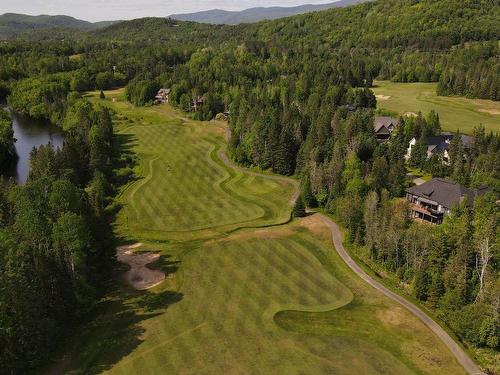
x,y
191,182
236,286
228,293
455,113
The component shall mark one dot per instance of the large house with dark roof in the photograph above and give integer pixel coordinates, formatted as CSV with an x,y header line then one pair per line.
x,y
435,198
439,144
383,126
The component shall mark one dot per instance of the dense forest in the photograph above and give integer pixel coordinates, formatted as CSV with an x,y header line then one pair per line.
x,y
297,96
55,237
7,152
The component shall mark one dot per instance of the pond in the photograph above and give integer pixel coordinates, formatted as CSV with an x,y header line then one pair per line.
x,y
31,133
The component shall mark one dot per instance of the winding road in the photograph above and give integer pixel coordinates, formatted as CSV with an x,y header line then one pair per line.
x,y
457,351
461,356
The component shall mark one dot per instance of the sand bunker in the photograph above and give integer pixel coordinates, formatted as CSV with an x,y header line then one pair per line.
x,y
490,111
139,276
382,97
410,114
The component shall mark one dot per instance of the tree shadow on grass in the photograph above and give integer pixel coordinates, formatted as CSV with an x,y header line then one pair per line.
x,y
165,264
154,302
123,146
114,330
124,159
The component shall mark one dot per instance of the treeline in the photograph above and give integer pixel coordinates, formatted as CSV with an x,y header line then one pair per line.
x,y
296,92
451,42
41,97
452,267
141,91
473,71
47,96
470,70
7,150
55,239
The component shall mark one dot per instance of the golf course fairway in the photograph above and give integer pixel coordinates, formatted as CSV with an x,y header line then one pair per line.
x,y
247,290
455,112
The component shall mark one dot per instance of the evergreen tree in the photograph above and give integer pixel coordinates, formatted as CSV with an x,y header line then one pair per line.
x,y
306,193
457,159
418,155
299,209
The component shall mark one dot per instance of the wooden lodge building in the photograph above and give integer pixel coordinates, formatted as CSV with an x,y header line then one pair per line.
x,y
384,126
434,199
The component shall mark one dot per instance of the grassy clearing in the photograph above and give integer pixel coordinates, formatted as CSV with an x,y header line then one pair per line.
x,y
455,112
254,301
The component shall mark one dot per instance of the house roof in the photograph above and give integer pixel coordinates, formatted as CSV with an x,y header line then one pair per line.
x,y
442,142
467,140
384,121
445,192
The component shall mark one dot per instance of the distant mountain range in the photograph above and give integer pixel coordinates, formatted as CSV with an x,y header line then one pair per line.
x,y
219,16
12,24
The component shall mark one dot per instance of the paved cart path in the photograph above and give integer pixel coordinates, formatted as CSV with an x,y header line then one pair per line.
x,y
457,351
461,356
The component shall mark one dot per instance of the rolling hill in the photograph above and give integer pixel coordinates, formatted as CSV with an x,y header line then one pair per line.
x,y
12,24
219,16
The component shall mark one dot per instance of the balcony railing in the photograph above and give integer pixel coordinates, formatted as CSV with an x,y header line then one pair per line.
x,y
425,210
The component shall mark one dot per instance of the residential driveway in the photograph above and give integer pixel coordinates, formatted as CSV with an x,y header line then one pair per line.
x,y
418,181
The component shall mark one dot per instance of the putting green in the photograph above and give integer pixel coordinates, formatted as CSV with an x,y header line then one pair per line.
x,y
454,112
237,299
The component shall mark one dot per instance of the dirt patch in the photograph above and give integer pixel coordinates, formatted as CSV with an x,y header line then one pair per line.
x,y
391,317
490,111
410,114
139,276
382,97
220,129
422,354
314,224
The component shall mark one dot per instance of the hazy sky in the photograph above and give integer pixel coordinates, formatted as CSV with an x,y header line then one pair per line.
x,y
99,10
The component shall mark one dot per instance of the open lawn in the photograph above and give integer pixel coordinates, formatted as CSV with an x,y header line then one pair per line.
x,y
237,299
455,112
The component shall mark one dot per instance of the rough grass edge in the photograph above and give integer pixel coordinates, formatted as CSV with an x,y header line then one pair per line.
x,y
390,284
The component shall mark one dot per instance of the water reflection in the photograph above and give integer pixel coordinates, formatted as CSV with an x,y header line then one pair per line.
x,y
31,133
